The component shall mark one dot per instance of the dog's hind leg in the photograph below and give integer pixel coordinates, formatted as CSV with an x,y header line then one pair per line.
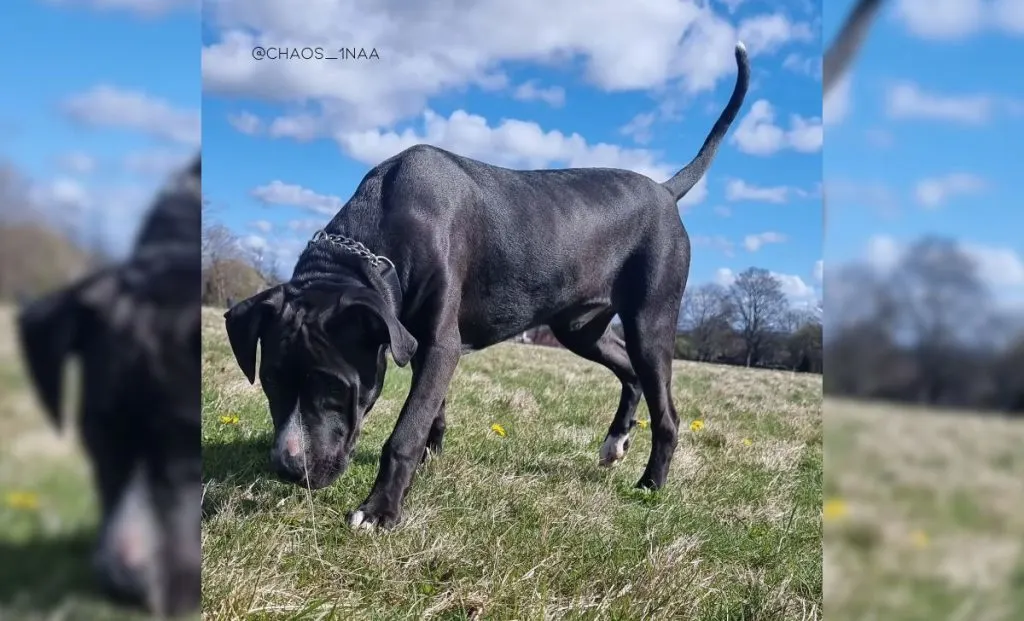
x,y
650,339
597,343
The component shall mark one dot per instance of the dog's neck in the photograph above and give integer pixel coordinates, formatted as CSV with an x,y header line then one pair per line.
x,y
342,260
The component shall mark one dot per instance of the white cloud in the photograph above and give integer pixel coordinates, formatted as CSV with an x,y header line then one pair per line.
x,y
306,226
513,143
554,96
97,214
757,133
941,19
798,292
883,253
753,243
836,104
739,190
732,5
936,191
906,100
61,192
147,8
280,193
998,267
819,271
803,65
255,243
639,127
159,162
862,193
723,211
714,242
262,226
439,46
115,108
952,20
77,163
767,33
724,276
246,123
1010,15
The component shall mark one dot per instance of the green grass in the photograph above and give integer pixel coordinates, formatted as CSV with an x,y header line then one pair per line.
x,y
48,512
931,525
527,526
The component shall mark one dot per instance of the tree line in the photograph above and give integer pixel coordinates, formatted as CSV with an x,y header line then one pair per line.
x,y
926,330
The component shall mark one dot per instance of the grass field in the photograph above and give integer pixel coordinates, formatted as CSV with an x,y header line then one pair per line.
x,y
924,515
48,514
527,526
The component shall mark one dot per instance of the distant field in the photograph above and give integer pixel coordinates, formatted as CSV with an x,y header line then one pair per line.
x,y
527,526
924,515
48,514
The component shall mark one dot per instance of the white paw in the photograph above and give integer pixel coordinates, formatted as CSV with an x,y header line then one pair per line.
x,y
358,521
613,450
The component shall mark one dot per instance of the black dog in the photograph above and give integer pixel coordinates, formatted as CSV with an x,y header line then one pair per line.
x,y
136,328
454,255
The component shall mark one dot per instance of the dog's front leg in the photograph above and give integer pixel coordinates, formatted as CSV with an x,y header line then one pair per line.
x,y
403,451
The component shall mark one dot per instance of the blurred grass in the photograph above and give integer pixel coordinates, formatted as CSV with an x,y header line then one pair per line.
x,y
526,526
924,514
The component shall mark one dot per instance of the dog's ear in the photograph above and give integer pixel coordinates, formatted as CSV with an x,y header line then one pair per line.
x,y
56,326
244,322
403,345
48,331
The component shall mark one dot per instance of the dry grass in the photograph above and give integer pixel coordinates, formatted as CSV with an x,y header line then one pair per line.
x,y
527,526
48,513
925,514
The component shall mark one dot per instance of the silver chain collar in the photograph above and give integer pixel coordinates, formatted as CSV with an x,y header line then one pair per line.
x,y
352,246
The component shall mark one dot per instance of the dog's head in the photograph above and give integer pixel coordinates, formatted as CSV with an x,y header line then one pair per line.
x,y
322,367
139,422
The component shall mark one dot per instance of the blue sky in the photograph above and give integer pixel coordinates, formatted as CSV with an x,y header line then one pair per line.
x,y
286,142
923,138
106,106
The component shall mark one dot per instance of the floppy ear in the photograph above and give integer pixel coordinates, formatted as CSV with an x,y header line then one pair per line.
x,y
48,332
403,345
244,321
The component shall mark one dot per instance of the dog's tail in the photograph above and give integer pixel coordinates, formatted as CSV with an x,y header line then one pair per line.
x,y
684,180
847,42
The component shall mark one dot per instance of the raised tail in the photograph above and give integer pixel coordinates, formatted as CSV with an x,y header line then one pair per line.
x,y
684,180
847,42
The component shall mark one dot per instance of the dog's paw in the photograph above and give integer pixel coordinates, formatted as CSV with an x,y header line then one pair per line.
x,y
613,450
367,518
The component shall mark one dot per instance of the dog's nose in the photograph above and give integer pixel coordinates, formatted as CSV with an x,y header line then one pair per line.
x,y
287,458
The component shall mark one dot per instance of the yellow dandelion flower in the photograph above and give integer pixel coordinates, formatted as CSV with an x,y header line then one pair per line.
x,y
747,441
697,425
26,501
919,538
498,429
229,420
835,508
642,424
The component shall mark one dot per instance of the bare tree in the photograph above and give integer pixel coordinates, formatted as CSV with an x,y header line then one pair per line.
x,y
706,316
759,306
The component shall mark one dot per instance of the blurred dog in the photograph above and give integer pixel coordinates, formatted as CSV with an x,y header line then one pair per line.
x,y
848,42
136,328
